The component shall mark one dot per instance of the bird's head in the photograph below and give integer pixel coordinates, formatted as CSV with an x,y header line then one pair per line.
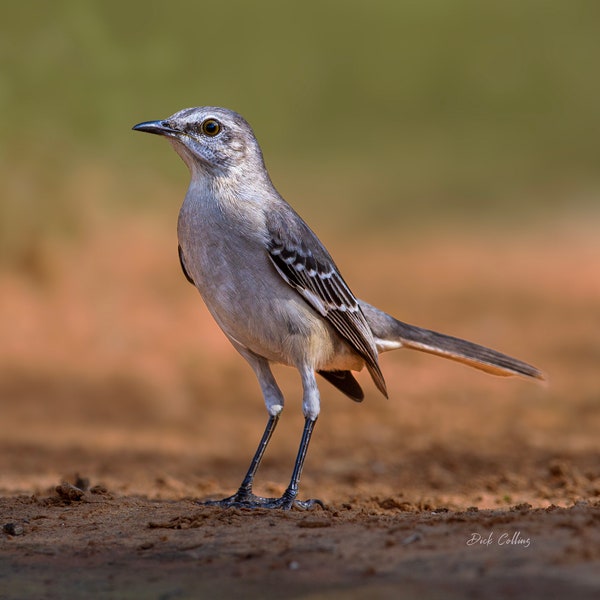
x,y
210,140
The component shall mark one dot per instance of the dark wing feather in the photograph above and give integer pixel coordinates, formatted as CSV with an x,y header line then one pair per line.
x,y
303,262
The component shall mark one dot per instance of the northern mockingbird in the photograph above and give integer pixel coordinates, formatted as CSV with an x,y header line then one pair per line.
x,y
273,288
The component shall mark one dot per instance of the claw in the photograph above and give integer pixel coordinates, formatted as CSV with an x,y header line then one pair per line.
x,y
308,504
251,501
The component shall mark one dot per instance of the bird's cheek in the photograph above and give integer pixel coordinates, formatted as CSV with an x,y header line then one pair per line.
x,y
238,146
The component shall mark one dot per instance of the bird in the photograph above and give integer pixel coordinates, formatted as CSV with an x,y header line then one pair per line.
x,y
276,292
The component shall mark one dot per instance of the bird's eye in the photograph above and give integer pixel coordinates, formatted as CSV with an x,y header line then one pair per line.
x,y
210,127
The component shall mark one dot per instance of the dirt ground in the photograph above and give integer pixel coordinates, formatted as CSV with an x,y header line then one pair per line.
x,y
122,404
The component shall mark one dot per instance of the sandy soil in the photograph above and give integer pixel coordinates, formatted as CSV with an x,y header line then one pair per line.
x,y
122,404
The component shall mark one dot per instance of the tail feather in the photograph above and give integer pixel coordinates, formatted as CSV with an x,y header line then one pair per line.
x,y
390,334
474,355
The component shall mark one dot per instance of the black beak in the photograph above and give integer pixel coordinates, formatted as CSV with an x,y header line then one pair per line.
x,y
157,127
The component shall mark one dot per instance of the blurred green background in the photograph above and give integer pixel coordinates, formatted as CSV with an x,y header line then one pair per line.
x,y
383,114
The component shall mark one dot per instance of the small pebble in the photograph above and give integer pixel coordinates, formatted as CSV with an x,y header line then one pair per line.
x,y
69,492
13,529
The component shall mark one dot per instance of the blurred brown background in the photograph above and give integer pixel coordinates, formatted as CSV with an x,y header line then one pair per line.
x,y
446,153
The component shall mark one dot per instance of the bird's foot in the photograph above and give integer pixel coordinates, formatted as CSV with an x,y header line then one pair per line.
x,y
246,499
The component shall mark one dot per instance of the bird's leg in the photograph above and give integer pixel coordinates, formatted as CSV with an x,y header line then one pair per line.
x,y
311,408
244,495
274,404
245,490
288,500
245,498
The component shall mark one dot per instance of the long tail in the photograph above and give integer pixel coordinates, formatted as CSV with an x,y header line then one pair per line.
x,y
391,334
